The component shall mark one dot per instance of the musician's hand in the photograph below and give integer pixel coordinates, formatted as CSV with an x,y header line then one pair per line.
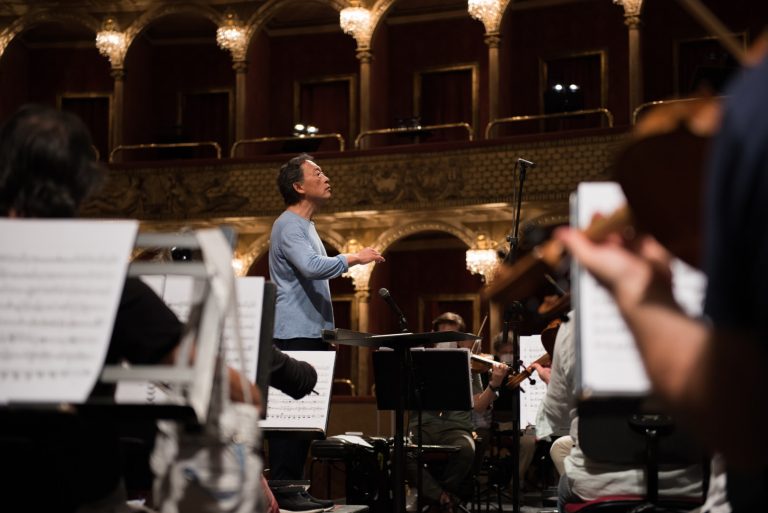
x,y
545,373
236,392
498,373
633,271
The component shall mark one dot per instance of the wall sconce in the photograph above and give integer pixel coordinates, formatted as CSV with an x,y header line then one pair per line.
x,y
486,11
482,258
356,21
231,36
111,43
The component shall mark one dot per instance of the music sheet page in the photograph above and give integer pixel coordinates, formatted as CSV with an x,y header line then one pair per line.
x,y
178,293
608,362
60,286
531,350
310,412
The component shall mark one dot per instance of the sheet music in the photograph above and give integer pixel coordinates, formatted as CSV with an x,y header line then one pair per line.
x,y
179,294
156,282
310,412
607,359
178,291
531,350
250,301
60,286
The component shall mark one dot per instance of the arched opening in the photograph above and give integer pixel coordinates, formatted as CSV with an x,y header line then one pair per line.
x,y
56,63
179,88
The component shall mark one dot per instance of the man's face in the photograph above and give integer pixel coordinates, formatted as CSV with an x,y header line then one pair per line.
x,y
316,186
505,353
447,326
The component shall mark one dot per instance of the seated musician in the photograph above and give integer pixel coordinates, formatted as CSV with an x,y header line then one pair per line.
x,y
500,417
67,462
584,479
443,487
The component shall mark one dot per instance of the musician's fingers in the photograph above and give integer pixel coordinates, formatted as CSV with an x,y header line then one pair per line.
x,y
609,263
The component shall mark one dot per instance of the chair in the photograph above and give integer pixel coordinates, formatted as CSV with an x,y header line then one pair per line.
x,y
626,432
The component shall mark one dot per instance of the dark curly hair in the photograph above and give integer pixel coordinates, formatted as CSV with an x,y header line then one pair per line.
x,y
47,163
291,173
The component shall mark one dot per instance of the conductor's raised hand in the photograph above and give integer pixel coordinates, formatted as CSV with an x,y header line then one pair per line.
x,y
364,256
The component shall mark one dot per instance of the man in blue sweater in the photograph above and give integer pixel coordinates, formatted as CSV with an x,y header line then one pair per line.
x,y
300,267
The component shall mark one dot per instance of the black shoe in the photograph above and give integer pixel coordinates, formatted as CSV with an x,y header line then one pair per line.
x,y
326,504
291,498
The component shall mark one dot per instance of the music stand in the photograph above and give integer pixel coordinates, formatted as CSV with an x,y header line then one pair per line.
x,y
429,389
400,343
429,369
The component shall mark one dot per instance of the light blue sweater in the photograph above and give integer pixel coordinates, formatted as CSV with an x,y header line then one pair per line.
x,y
300,268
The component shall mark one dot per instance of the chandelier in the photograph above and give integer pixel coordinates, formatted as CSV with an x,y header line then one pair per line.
x,y
231,36
482,258
111,42
486,11
355,21
631,7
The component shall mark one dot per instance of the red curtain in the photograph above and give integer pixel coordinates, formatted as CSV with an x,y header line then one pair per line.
x,y
446,97
325,105
205,117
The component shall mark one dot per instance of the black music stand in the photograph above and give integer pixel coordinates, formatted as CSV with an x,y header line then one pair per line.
x,y
400,343
429,389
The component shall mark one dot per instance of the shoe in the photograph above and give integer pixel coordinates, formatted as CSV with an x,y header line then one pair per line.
x,y
291,499
326,504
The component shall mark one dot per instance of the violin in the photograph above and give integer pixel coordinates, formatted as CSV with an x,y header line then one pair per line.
x,y
515,380
522,279
484,363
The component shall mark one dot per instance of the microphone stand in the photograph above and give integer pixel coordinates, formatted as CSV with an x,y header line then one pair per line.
x,y
513,316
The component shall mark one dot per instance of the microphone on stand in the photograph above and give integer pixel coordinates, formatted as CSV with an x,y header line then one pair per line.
x,y
526,163
386,296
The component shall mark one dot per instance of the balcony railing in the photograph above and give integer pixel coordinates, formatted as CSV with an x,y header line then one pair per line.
x,y
415,130
259,140
124,147
644,106
516,119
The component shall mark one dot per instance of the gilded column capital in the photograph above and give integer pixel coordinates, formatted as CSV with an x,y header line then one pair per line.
x,y
492,39
118,73
364,55
240,66
632,21
363,295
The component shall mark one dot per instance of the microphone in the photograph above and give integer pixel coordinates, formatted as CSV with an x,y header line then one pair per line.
x,y
526,163
386,296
